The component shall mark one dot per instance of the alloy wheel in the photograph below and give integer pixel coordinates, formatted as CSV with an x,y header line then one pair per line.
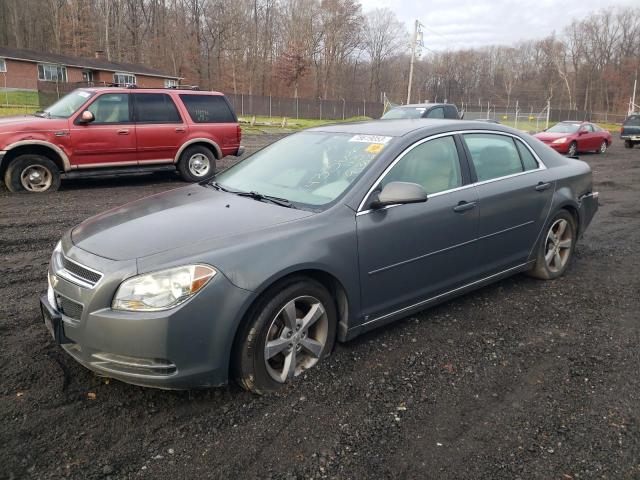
x,y
573,149
296,338
558,245
36,178
603,147
199,165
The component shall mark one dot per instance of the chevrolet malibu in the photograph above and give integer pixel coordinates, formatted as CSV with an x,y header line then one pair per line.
x,y
253,275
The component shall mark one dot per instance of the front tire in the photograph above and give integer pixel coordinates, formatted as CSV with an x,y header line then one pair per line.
x,y
573,149
556,248
33,174
628,144
197,163
289,331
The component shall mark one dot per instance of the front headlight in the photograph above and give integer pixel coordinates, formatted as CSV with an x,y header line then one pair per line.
x,y
161,290
560,140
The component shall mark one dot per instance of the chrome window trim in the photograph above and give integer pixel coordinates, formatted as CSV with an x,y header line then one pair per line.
x,y
541,166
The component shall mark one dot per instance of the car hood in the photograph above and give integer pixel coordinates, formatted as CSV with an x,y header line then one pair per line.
x,y
31,122
174,219
549,136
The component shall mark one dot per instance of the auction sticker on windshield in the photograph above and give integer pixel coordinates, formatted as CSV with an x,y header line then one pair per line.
x,y
370,139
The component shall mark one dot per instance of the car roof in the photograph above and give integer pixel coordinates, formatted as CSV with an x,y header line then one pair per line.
x,y
401,127
150,90
422,105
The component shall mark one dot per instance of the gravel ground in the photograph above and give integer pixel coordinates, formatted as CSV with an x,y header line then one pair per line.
x,y
521,379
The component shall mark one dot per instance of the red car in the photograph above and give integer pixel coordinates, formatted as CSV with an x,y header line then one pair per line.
x,y
115,131
572,137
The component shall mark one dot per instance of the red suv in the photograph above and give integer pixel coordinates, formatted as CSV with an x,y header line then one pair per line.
x,y
114,131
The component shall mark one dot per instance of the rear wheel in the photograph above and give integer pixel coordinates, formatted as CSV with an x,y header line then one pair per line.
x,y
628,144
603,147
197,163
290,331
32,173
573,149
556,249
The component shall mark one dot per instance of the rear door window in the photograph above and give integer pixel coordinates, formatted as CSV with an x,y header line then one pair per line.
x,y
493,156
450,111
208,109
528,160
437,112
155,108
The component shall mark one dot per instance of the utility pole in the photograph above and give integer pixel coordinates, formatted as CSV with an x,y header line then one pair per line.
x,y
416,39
633,99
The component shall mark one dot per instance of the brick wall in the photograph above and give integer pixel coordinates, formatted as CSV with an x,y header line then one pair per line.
x,y
23,75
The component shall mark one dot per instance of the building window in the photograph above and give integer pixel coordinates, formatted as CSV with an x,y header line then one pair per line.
x,y
124,78
52,73
87,76
170,83
3,65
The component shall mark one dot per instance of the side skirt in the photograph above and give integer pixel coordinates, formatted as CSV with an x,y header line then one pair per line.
x,y
430,302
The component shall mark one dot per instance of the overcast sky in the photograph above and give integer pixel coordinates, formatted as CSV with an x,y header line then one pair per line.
x,y
456,24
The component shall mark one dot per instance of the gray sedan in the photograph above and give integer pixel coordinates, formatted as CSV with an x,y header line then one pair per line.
x,y
318,237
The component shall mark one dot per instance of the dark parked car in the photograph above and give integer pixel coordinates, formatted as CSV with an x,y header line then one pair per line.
x,y
318,237
114,131
572,137
423,110
630,131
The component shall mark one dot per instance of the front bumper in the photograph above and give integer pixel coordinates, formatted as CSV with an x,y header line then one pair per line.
x,y
559,147
185,347
588,205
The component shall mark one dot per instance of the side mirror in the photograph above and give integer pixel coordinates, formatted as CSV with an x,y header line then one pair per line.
x,y
395,193
87,117
582,132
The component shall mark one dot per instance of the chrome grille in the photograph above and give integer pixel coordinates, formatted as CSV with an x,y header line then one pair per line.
x,y
79,272
69,308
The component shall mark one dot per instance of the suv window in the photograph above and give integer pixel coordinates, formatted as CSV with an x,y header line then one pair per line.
x,y
493,155
437,112
450,111
111,108
434,165
528,160
208,109
155,108
632,121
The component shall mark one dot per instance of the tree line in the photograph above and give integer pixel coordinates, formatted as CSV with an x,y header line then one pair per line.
x,y
331,49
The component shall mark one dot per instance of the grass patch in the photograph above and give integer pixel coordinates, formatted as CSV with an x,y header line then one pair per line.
x,y
19,97
13,110
274,124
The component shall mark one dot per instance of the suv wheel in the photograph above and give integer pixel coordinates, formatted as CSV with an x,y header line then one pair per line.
x,y
628,144
32,173
197,163
290,331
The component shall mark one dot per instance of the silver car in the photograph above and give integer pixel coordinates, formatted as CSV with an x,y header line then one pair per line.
x,y
319,237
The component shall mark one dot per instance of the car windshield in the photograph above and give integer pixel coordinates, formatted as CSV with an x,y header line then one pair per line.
x,y
69,104
564,128
308,168
632,121
404,112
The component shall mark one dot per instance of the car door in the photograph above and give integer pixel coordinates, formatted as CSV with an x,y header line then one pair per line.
x,y
409,253
515,191
160,129
110,139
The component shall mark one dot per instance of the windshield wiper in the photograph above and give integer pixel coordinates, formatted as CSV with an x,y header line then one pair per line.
x,y
283,202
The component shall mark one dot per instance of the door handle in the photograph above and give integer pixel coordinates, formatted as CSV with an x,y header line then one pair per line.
x,y
181,129
464,206
123,131
542,186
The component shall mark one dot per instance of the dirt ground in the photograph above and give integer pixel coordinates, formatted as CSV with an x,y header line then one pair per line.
x,y
523,379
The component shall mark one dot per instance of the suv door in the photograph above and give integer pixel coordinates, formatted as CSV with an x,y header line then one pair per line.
x,y
160,130
515,192
409,253
110,139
